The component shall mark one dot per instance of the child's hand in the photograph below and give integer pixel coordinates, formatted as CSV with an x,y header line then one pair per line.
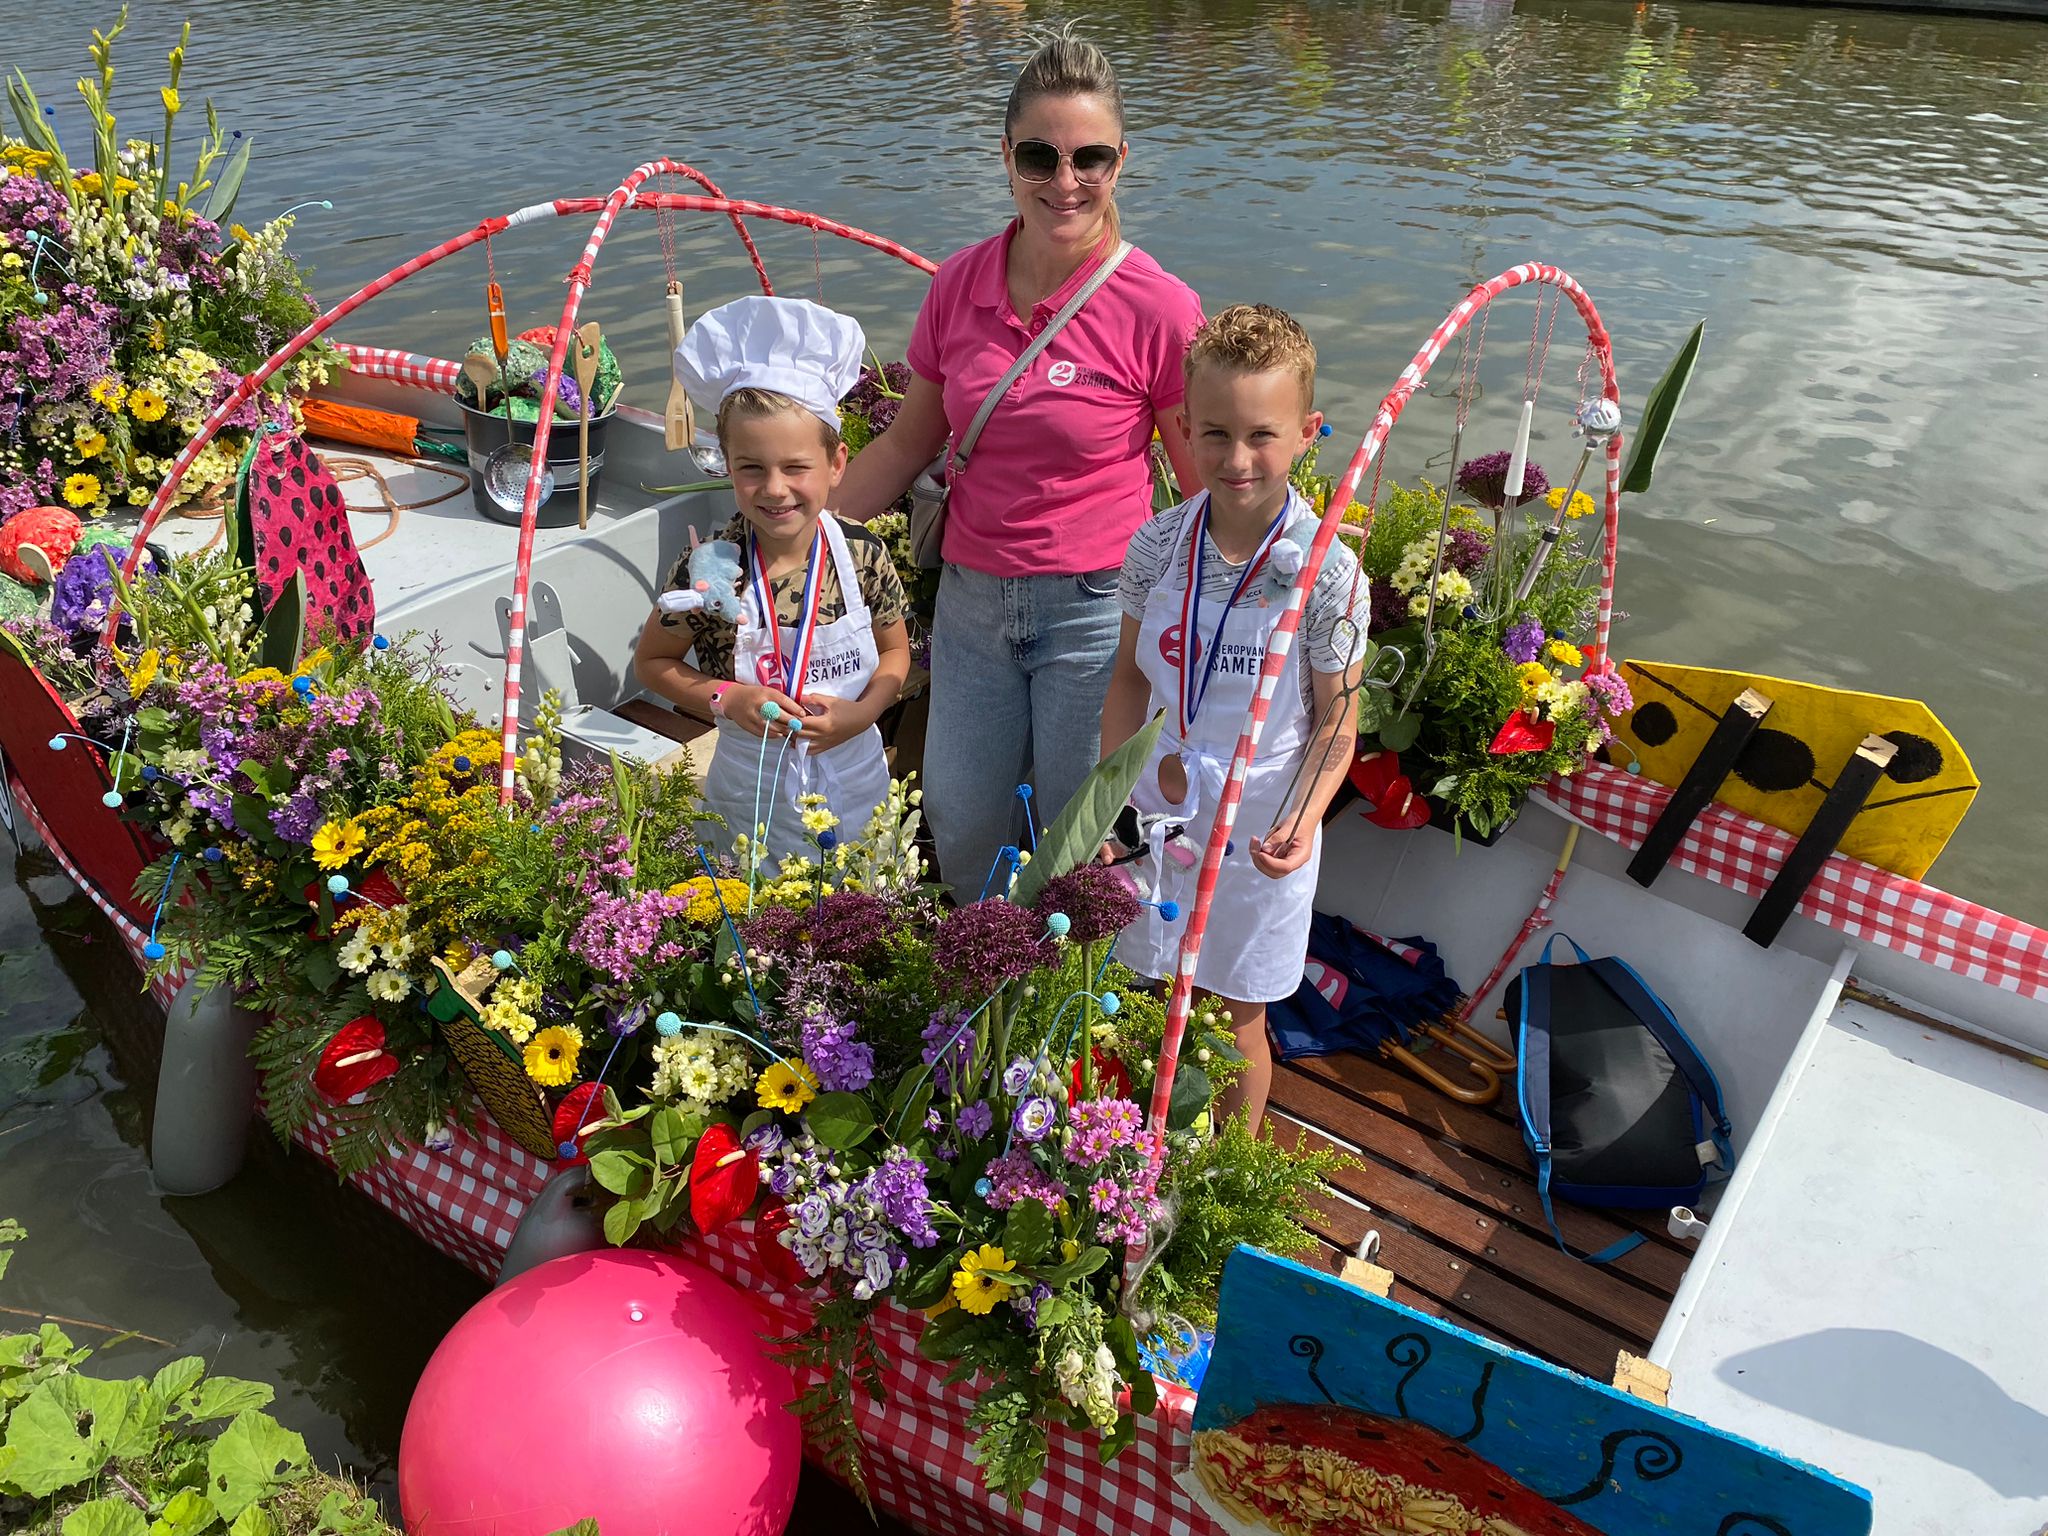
x,y
741,703
828,722
1281,857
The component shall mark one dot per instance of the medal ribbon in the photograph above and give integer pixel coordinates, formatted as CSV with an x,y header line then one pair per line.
x,y
792,672
1194,681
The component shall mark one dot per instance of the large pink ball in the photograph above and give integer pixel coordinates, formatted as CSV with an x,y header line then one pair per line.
x,y
623,1386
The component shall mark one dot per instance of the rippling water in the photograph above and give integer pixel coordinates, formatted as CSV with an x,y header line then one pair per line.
x,y
1856,202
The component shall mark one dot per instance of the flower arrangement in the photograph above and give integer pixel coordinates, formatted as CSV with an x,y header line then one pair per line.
x,y
1495,695
130,305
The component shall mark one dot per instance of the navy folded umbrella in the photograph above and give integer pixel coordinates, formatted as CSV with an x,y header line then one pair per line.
x,y
1359,992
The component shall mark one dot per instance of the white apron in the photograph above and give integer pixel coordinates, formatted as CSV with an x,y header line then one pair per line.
x,y
853,776
1257,936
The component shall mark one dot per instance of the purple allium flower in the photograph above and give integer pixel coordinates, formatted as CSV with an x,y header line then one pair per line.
x,y
843,1063
1389,608
982,947
1034,1118
1096,900
851,927
1485,479
976,1120
867,398
1523,642
948,1044
1466,550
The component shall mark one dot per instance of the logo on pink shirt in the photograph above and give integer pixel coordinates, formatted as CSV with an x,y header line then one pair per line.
x,y
1060,374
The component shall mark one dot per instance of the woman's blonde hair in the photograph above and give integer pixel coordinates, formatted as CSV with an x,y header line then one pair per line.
x,y
1067,64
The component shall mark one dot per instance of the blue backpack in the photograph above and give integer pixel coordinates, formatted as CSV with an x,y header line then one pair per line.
x,y
1617,1106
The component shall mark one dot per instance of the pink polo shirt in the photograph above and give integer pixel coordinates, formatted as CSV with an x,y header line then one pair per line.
x,y
1060,477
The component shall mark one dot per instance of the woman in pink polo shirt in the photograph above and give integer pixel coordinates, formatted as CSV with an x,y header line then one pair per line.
x,y
1027,622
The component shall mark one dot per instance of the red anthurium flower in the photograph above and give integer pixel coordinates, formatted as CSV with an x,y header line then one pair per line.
x,y
1373,772
1111,1080
1522,732
354,1061
1400,808
724,1178
780,1263
581,1107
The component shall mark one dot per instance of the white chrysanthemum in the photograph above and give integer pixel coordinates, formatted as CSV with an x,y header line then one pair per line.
x,y
699,1081
389,986
399,949
357,955
1563,699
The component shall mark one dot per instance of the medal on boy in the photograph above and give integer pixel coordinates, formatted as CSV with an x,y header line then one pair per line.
x,y
772,670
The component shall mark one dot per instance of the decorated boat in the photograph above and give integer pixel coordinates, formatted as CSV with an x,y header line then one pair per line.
x,y
1458,1349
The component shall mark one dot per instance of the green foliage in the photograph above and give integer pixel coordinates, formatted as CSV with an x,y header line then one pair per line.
x,y
87,1456
1077,832
839,1347
1660,409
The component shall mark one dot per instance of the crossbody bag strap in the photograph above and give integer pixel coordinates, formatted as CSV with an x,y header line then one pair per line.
x,y
1102,274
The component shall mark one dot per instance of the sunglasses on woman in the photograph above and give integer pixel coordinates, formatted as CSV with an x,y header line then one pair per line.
x,y
1036,160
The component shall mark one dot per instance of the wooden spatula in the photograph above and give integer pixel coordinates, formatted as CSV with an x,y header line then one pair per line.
x,y
587,355
678,423
482,371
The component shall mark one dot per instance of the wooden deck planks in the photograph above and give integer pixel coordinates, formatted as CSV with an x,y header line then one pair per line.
x,y
1450,1190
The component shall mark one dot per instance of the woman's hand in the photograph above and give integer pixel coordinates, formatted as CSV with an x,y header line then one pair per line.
x,y
741,703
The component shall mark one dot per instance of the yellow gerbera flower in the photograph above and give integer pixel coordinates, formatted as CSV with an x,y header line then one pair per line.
x,y
143,673
551,1055
787,1086
1564,651
108,392
978,1283
92,445
82,490
145,404
337,843
1532,674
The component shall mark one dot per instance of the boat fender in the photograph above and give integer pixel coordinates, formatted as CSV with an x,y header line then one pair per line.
x,y
205,1092
563,1219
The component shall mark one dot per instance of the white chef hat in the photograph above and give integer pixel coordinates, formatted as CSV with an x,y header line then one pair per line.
x,y
792,346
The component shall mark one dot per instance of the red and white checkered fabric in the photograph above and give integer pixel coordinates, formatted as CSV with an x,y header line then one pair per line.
x,y
1855,898
435,373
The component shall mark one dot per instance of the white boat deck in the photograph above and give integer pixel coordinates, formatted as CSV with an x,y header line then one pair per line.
x,y
1869,1296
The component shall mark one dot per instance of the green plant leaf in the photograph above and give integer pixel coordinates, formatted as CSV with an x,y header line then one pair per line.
x,y
1027,1234
254,1458
1076,834
617,1171
621,1221
253,1522
671,1135
220,1397
177,1378
106,1517
344,1514
1089,1261
1660,409
220,202
284,626
187,1514
11,1231
1399,733
62,1433
1192,1091
840,1121
584,1527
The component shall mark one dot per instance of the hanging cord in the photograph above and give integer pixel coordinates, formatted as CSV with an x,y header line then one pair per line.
x,y
347,469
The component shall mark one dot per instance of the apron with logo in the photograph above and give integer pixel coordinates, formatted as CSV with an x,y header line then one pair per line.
x,y
1258,927
835,660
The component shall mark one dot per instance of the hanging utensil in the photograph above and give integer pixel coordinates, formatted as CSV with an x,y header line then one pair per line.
x,y
483,373
678,420
506,471
587,343
501,343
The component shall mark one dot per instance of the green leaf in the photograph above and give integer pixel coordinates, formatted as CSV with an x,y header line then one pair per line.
x,y
254,1458
672,1135
62,1433
106,1517
618,1171
1399,733
253,1522
11,1231
1027,1234
754,1122
943,1335
925,1282
284,626
343,1514
840,1121
187,1514
1079,1268
177,1378
621,1221
220,1397
584,1527
220,202
1192,1091
1076,834
1660,408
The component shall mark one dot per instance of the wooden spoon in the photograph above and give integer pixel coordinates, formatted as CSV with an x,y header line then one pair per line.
x,y
678,423
587,356
482,371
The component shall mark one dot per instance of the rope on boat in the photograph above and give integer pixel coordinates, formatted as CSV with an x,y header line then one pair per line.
x,y
1282,642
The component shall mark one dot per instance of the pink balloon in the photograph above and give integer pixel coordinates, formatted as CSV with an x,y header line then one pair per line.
x,y
624,1386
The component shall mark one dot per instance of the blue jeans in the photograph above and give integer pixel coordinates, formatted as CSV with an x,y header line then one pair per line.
x,y
1020,665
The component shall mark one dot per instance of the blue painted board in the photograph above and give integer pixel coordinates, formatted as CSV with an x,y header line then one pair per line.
x,y
1624,1467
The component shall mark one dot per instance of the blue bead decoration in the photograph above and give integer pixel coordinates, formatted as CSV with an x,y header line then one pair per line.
x,y
1007,853
828,839
502,960
982,1187
1471,612
1230,847
302,686
1058,924
1111,1003
1635,767
149,774
567,1149
337,885
1170,910
56,743
668,1024
111,799
461,764
1023,791
152,950
770,710
380,642
212,855
1325,430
